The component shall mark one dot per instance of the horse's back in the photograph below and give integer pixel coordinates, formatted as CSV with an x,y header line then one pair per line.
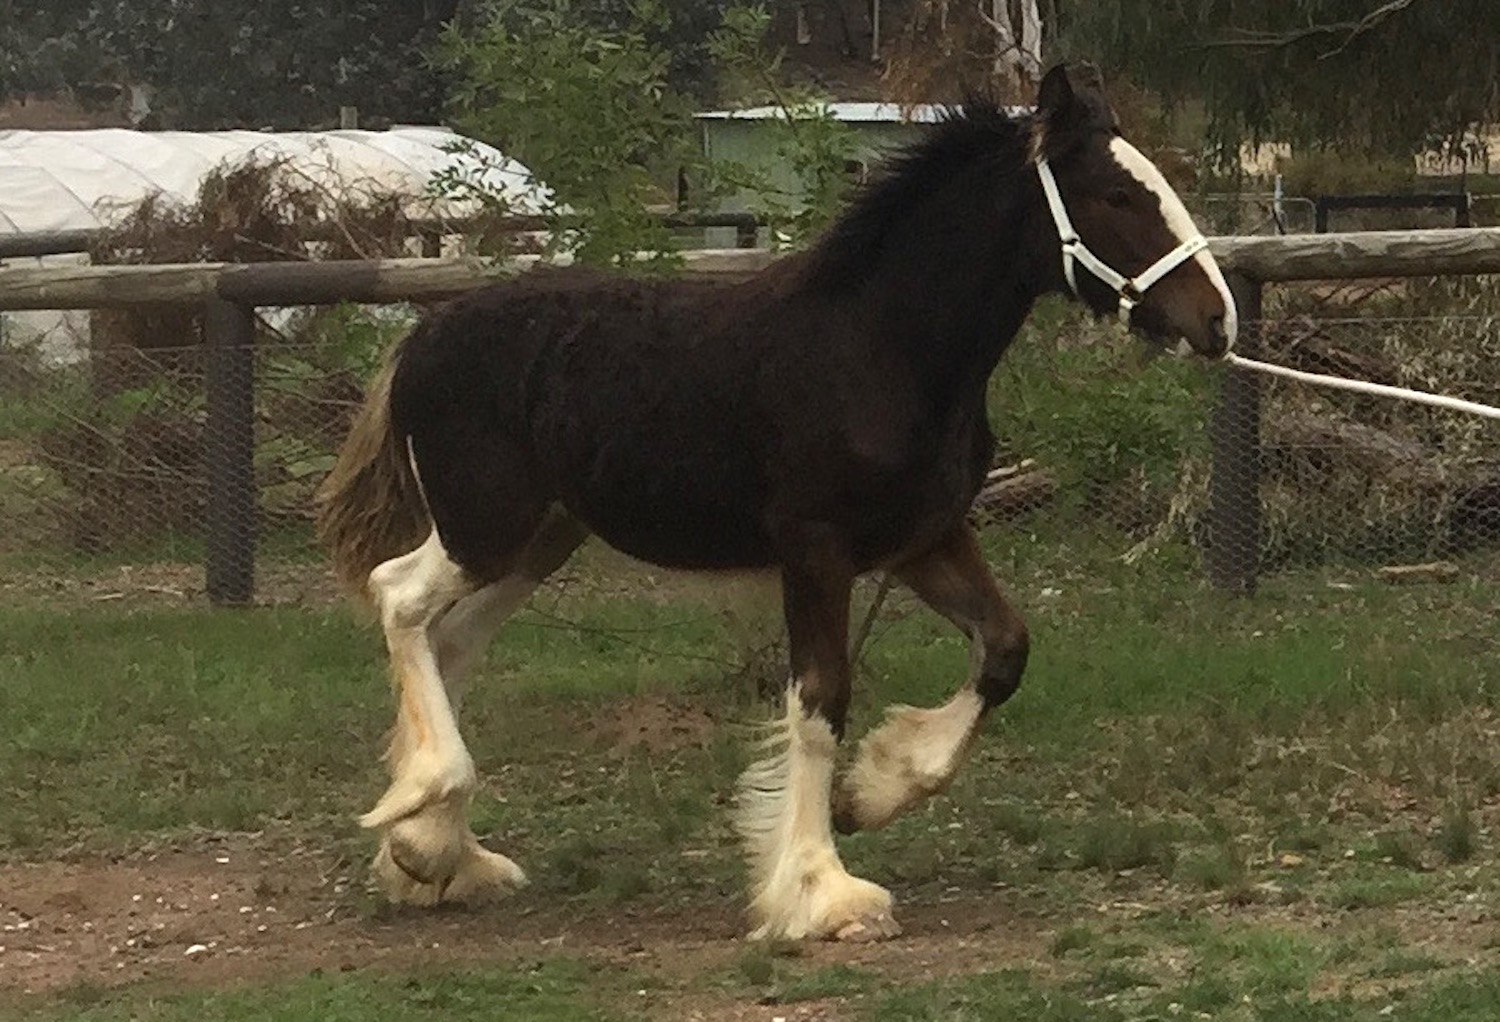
x,y
683,420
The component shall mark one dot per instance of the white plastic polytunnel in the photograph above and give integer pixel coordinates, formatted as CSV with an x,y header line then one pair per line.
x,y
66,180
86,179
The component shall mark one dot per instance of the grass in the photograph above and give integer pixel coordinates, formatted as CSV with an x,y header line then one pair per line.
x,y
558,990
1206,761
565,990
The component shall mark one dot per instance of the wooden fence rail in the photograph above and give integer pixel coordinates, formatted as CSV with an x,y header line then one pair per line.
x,y
1351,256
230,294
430,232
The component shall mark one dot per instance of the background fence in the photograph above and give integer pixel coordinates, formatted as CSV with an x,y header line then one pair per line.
x,y
184,466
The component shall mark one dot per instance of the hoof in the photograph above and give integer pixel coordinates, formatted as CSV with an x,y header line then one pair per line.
x,y
477,876
483,876
398,886
834,906
427,846
868,930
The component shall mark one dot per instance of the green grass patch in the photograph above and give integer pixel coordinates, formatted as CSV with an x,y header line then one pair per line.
x,y
557,990
1402,963
987,996
769,974
1371,889
1168,747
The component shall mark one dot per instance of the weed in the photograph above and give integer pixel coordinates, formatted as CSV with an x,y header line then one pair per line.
x,y
1398,964
1399,848
1114,843
1212,869
1458,835
1114,978
1074,938
1367,890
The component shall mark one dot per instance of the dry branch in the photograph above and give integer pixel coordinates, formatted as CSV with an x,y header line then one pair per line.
x,y
1014,490
1437,571
1369,449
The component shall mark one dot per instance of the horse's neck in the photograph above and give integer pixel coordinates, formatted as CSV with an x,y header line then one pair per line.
x,y
954,318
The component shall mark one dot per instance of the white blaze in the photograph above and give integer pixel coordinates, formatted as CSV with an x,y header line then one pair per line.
x,y
1179,222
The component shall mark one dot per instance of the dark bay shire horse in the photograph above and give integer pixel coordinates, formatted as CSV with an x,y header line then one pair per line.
x,y
824,419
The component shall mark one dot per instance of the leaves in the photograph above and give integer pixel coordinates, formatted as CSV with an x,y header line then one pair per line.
x,y
1365,75
284,63
588,110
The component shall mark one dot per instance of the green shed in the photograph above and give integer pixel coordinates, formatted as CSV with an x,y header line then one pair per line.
x,y
746,137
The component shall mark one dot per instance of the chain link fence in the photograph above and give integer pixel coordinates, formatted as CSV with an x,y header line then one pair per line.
x,y
104,456
104,481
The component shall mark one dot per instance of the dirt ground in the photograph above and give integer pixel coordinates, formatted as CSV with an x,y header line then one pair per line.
x,y
243,909
239,910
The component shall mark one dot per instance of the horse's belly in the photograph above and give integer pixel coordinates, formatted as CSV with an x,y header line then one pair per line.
x,y
689,549
699,506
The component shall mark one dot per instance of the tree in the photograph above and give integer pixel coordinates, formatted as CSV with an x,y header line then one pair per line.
x,y
947,47
588,110
588,105
1377,76
207,64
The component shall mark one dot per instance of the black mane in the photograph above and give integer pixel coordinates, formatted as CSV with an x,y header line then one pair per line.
x,y
976,131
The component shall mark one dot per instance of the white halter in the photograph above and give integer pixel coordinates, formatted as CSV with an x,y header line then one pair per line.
x,y
1073,249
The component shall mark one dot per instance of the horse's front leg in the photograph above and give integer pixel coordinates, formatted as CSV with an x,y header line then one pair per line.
x,y
799,886
915,753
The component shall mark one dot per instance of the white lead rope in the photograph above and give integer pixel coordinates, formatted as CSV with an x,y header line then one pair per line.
x,y
1360,387
1130,292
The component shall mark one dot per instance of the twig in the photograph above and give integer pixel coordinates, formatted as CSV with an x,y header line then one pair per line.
x,y
1351,30
1368,22
856,651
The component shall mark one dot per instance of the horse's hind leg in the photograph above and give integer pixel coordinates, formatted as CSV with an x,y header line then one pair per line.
x,y
915,753
436,626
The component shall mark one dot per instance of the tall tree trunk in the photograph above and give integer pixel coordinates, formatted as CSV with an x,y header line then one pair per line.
x,y
1031,46
1017,25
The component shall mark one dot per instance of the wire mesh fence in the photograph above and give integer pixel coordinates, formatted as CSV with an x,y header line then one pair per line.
x,y
105,477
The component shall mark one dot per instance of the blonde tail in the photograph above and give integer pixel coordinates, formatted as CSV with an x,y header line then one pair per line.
x,y
370,508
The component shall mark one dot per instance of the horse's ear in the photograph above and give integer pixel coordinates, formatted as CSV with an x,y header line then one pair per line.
x,y
1070,99
1055,95
1086,77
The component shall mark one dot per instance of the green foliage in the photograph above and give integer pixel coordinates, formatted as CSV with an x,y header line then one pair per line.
x,y
1352,74
288,63
1315,172
1079,397
805,135
588,110
1458,835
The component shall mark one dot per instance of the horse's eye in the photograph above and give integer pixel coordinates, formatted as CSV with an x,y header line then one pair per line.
x,y
1118,198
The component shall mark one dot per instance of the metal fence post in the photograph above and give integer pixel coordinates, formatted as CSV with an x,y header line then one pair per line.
x,y
229,443
1234,513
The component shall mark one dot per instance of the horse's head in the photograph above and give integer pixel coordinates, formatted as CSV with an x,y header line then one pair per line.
x,y
1127,242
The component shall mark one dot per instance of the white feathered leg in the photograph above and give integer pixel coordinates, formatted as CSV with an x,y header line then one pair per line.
x,y
799,886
